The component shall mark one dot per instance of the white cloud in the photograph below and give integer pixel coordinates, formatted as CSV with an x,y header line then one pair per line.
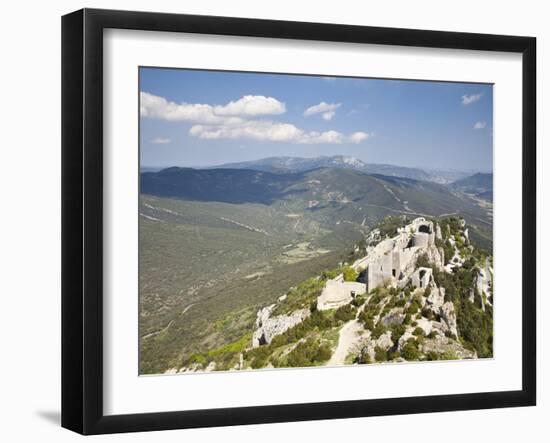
x,y
161,141
480,125
327,137
469,99
251,105
275,132
153,106
358,137
324,108
328,115
254,129
231,121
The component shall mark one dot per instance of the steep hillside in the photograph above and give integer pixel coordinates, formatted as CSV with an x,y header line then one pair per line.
x,y
352,194
480,185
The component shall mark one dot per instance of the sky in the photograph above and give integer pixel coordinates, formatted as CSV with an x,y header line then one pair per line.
x,y
204,118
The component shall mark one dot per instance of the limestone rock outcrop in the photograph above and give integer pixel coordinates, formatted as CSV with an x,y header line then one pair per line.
x,y
384,341
444,345
483,283
448,314
269,327
436,298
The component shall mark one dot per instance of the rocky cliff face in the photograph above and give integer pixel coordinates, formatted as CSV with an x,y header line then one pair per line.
x,y
269,327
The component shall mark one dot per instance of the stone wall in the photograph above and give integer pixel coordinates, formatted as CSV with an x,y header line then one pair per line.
x,y
336,294
392,261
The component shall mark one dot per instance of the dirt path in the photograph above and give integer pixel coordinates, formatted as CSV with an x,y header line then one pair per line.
x,y
349,337
187,308
152,334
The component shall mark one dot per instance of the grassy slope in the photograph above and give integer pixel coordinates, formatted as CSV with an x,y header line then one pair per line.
x,y
224,272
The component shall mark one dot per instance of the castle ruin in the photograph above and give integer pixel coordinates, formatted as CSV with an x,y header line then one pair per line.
x,y
390,263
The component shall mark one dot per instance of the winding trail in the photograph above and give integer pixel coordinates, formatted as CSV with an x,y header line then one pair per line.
x,y
160,331
349,337
152,334
187,308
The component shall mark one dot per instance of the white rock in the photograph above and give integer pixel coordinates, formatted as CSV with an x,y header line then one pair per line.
x,y
425,325
436,298
448,314
270,327
384,341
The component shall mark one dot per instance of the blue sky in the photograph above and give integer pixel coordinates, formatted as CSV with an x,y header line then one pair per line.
x,y
204,118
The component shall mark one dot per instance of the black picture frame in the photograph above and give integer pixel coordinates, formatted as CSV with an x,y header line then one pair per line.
x,y
82,218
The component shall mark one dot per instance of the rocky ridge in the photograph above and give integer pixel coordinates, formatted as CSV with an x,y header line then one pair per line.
x,y
414,281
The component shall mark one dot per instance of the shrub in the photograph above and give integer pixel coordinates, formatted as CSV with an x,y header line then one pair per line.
x,y
198,359
410,350
358,301
476,327
428,313
368,324
350,274
448,355
397,330
423,261
393,355
364,357
380,354
259,356
388,227
419,332
378,330
375,298
309,353
367,316
330,274
414,307
300,296
345,313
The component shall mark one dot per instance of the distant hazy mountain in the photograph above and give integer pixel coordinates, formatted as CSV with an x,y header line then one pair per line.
x,y
322,190
481,185
298,164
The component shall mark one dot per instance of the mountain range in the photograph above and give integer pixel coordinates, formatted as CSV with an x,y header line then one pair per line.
x,y
299,164
313,189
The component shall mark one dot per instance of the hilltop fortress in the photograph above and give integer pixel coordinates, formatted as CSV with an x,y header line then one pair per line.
x,y
389,263
418,292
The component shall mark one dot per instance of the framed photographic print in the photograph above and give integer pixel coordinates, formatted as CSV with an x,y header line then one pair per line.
x,y
269,221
